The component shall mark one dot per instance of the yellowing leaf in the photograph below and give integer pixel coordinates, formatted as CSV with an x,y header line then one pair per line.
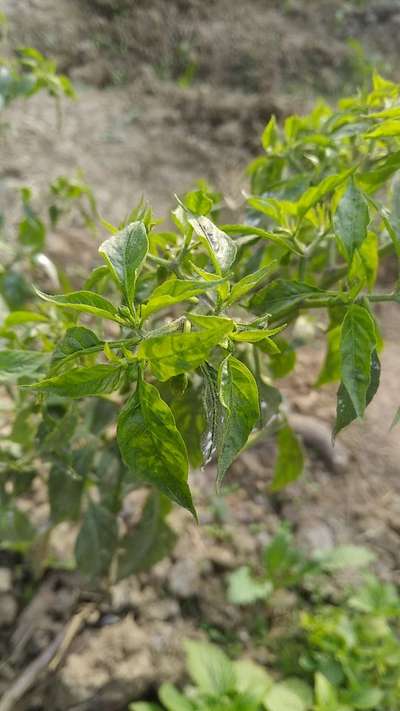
x,y
174,291
152,447
83,382
174,353
386,129
317,192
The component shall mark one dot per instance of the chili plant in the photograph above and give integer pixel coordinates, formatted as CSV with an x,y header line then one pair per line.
x,y
29,72
178,336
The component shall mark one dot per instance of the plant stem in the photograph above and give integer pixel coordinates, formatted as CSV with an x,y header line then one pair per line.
x,y
379,298
159,260
320,302
302,268
114,345
310,250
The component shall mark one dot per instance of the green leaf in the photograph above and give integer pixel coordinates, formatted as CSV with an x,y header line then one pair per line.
x,y
282,359
205,275
55,432
17,364
391,112
265,172
251,230
124,253
85,302
351,220
174,291
345,412
277,210
246,284
77,340
212,323
65,489
383,169
255,335
97,278
32,232
244,589
15,318
252,679
209,668
213,411
284,563
238,393
290,460
317,192
172,699
198,202
357,341
346,556
325,694
96,542
190,421
392,233
281,297
270,134
16,530
144,706
83,382
174,353
221,248
151,445
151,540
386,129
290,695
366,698
15,289
330,371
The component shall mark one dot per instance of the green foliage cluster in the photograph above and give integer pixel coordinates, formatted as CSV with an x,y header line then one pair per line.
x,y
285,566
27,74
338,655
177,337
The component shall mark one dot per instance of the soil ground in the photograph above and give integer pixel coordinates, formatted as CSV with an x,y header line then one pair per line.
x,y
143,124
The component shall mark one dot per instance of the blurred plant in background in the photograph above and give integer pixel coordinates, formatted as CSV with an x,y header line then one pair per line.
x,y
329,655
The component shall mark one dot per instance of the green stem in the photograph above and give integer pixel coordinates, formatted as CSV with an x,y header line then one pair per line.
x,y
379,298
324,301
257,363
172,265
302,268
311,249
321,302
159,260
114,345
